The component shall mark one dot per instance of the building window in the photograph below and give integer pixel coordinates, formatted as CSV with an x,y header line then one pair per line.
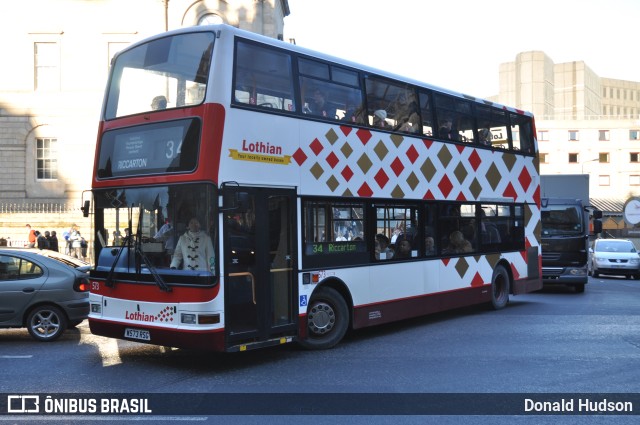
x,y
633,157
573,158
573,135
634,134
47,159
603,135
543,158
634,180
604,180
46,60
210,19
543,136
603,158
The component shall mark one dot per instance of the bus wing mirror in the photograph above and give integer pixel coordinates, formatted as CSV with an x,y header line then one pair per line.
x,y
597,214
597,226
239,202
85,208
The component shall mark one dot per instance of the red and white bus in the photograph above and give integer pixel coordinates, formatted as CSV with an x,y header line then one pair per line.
x,y
248,192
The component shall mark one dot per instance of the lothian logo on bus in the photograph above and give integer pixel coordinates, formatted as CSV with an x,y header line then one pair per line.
x,y
165,315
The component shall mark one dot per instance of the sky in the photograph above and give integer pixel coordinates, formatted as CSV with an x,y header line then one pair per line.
x,y
460,44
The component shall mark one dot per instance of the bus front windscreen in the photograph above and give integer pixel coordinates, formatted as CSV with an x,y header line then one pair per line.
x,y
169,72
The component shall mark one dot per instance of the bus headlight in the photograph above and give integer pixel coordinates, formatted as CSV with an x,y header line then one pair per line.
x,y
188,318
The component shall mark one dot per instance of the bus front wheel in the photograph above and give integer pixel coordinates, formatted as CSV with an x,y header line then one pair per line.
x,y
499,288
327,319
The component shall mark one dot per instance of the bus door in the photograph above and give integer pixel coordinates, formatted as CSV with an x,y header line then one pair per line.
x,y
260,266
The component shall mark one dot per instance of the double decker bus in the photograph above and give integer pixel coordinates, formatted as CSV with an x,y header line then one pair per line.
x,y
248,192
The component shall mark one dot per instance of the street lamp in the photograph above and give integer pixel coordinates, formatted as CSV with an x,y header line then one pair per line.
x,y
591,160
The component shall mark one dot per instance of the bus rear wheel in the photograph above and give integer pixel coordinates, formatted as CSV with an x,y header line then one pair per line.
x,y
327,319
500,288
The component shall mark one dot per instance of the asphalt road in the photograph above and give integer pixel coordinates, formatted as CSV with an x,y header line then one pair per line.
x,y
553,341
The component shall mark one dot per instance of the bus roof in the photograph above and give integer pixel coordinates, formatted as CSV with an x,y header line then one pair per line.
x,y
219,28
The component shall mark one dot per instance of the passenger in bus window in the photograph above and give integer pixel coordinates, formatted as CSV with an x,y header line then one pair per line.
x,y
383,252
320,106
458,244
380,119
484,137
403,249
429,246
194,250
407,117
159,102
446,129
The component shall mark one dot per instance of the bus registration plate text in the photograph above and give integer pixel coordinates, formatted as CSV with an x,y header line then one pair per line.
x,y
137,334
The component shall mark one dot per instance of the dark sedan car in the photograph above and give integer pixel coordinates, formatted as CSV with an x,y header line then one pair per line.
x,y
43,291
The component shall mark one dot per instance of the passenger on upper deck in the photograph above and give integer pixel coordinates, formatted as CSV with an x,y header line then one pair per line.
x,y
320,106
159,102
380,119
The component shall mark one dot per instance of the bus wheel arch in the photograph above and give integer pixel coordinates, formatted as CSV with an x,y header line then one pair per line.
x,y
328,316
501,285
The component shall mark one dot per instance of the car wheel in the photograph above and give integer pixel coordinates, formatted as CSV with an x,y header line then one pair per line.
x,y
46,323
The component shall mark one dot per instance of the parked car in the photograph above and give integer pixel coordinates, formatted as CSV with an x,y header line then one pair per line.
x,y
614,257
44,291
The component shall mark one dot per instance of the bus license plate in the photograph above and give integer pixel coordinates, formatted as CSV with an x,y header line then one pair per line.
x,y
137,334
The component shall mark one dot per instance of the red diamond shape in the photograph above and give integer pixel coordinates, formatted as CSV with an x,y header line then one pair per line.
x,y
461,197
427,142
510,192
347,173
477,280
316,146
445,186
429,195
381,178
332,160
365,191
299,156
525,179
412,154
474,160
346,130
364,135
397,166
514,272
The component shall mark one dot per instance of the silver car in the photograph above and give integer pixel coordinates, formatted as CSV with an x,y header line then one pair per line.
x,y
42,290
615,257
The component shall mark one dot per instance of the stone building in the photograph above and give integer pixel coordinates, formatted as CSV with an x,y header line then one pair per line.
x,y
587,124
52,86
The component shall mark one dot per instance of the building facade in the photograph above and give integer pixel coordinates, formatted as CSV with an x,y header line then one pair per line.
x,y
51,94
587,124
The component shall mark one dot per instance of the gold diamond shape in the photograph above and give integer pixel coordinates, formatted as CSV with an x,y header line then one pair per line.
x,y
331,136
461,173
509,160
493,176
428,169
364,163
475,188
397,139
346,150
413,181
381,150
347,193
317,170
445,155
333,183
397,192
462,266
